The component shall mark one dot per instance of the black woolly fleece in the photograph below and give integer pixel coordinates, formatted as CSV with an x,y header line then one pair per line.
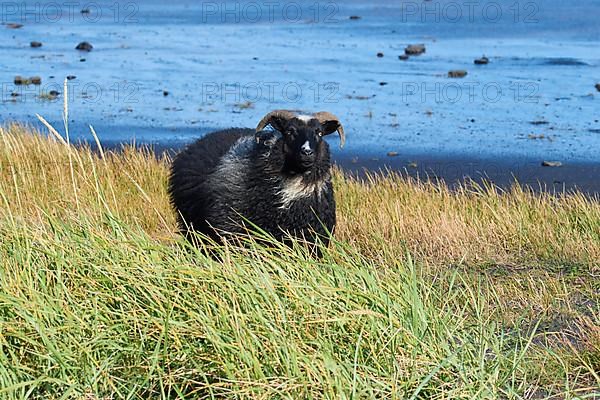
x,y
235,174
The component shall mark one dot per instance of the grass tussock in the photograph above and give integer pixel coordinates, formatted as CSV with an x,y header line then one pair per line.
x,y
426,293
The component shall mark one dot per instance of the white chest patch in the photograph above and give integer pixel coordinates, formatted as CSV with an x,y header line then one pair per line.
x,y
295,188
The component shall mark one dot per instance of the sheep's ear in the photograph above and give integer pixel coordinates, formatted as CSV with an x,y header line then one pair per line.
x,y
330,124
276,119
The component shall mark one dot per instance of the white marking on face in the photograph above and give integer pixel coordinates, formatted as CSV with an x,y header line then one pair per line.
x,y
306,146
305,118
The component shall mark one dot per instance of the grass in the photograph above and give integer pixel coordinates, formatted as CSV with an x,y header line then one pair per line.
x,y
425,293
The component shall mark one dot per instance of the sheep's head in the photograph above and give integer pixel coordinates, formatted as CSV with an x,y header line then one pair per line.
x,y
302,135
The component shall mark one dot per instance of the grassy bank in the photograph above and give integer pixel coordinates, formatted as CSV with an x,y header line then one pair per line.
x,y
425,293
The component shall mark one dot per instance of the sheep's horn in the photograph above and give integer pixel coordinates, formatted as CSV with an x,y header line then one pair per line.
x,y
325,116
285,114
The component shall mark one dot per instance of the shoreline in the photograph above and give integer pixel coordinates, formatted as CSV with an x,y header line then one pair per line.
x,y
502,172
454,169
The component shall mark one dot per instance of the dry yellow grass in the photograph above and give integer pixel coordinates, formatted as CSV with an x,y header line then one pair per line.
x,y
35,179
472,225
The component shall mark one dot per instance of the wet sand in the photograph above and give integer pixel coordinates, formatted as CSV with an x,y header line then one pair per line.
x,y
583,177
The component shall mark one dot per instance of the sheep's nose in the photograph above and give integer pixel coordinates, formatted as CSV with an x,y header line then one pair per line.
x,y
306,149
308,152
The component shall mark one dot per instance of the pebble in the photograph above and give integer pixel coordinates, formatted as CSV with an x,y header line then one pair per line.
x,y
403,57
35,80
355,17
482,61
35,44
554,164
598,87
71,77
457,73
379,54
84,46
393,154
414,49
14,26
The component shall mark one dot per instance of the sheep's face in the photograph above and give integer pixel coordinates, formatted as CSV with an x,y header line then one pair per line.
x,y
303,144
302,137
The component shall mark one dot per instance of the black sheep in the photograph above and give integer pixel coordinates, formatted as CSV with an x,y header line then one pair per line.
x,y
279,180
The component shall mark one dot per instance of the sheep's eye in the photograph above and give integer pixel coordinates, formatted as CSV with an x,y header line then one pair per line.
x,y
320,133
291,131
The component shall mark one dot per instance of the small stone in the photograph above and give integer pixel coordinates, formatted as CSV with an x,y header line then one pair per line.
x,y
536,137
14,26
49,96
245,105
14,94
71,77
393,154
19,80
554,164
414,49
84,46
380,54
355,17
598,87
458,73
482,61
413,164
82,60
36,80
403,57
35,45
382,83
165,93
85,11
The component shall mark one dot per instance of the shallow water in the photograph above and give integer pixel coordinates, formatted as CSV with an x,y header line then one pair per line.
x,y
228,64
